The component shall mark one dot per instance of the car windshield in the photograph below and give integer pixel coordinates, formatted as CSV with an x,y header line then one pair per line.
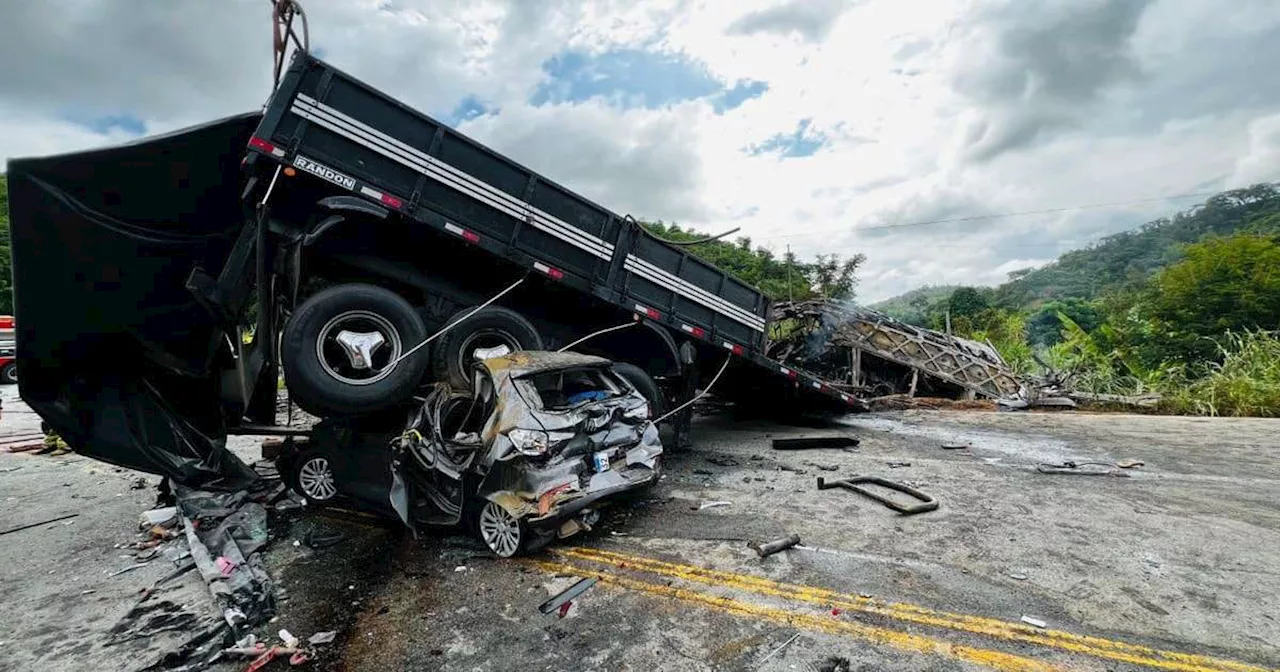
x,y
566,388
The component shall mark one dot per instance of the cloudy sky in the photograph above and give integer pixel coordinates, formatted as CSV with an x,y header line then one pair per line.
x,y
805,122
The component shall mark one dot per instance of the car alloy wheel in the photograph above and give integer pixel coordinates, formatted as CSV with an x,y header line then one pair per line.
x,y
500,531
315,479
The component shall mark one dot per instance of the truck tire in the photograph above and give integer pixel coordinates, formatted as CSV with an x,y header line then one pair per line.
x,y
644,384
491,327
339,346
9,374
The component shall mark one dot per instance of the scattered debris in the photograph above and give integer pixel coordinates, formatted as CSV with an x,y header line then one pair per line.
x,y
926,503
288,639
722,461
804,443
1130,464
1078,469
824,467
164,517
325,637
22,443
1018,575
1140,400
318,539
769,548
225,532
130,568
956,446
895,465
1031,620
711,505
138,483
560,602
703,472
43,522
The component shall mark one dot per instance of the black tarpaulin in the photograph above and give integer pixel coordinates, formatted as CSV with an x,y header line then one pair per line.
x,y
113,350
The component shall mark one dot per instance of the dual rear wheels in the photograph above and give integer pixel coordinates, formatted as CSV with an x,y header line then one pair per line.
x,y
353,349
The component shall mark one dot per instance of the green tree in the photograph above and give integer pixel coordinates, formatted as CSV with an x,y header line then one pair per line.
x,y
1044,328
1222,285
780,279
966,302
834,278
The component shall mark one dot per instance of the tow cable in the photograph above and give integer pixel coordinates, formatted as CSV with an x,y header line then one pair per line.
x,y
458,321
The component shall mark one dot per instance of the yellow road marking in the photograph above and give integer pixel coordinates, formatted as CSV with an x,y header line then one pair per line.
x,y
997,660
1097,647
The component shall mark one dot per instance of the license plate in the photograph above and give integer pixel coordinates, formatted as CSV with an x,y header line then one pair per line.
x,y
601,461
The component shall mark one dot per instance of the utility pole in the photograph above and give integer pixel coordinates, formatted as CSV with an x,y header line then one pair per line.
x,y
790,297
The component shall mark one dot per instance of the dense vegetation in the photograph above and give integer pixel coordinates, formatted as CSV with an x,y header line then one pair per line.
x,y
785,278
911,306
1187,306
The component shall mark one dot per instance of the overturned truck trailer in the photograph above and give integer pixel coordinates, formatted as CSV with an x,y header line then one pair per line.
x,y
842,343
162,287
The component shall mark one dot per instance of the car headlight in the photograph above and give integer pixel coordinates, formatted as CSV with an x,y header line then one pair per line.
x,y
535,441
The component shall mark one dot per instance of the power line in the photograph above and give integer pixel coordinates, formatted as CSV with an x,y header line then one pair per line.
x,y
974,218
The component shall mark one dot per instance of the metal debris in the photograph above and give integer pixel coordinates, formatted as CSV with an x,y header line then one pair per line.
x,y
43,522
1079,469
711,505
564,597
806,442
130,568
926,503
775,546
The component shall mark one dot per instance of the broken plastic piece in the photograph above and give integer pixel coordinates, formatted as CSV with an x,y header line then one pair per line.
x,y
164,517
288,638
1030,620
323,637
802,443
225,566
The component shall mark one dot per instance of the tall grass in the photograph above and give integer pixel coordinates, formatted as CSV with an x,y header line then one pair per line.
x,y
1245,383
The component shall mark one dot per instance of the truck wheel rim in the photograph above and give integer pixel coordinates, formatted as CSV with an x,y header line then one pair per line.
x,y
482,339
500,530
316,479
11,374
339,364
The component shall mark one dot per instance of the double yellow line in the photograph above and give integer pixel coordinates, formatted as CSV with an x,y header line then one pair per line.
x,y
1006,631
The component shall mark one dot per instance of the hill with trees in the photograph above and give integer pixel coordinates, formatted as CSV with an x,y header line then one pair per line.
x,y
1187,305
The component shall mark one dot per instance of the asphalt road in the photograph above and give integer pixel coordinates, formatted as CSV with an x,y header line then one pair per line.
x,y
1173,567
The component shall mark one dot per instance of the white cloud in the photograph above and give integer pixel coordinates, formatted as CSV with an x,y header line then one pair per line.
x,y
1261,162
932,110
